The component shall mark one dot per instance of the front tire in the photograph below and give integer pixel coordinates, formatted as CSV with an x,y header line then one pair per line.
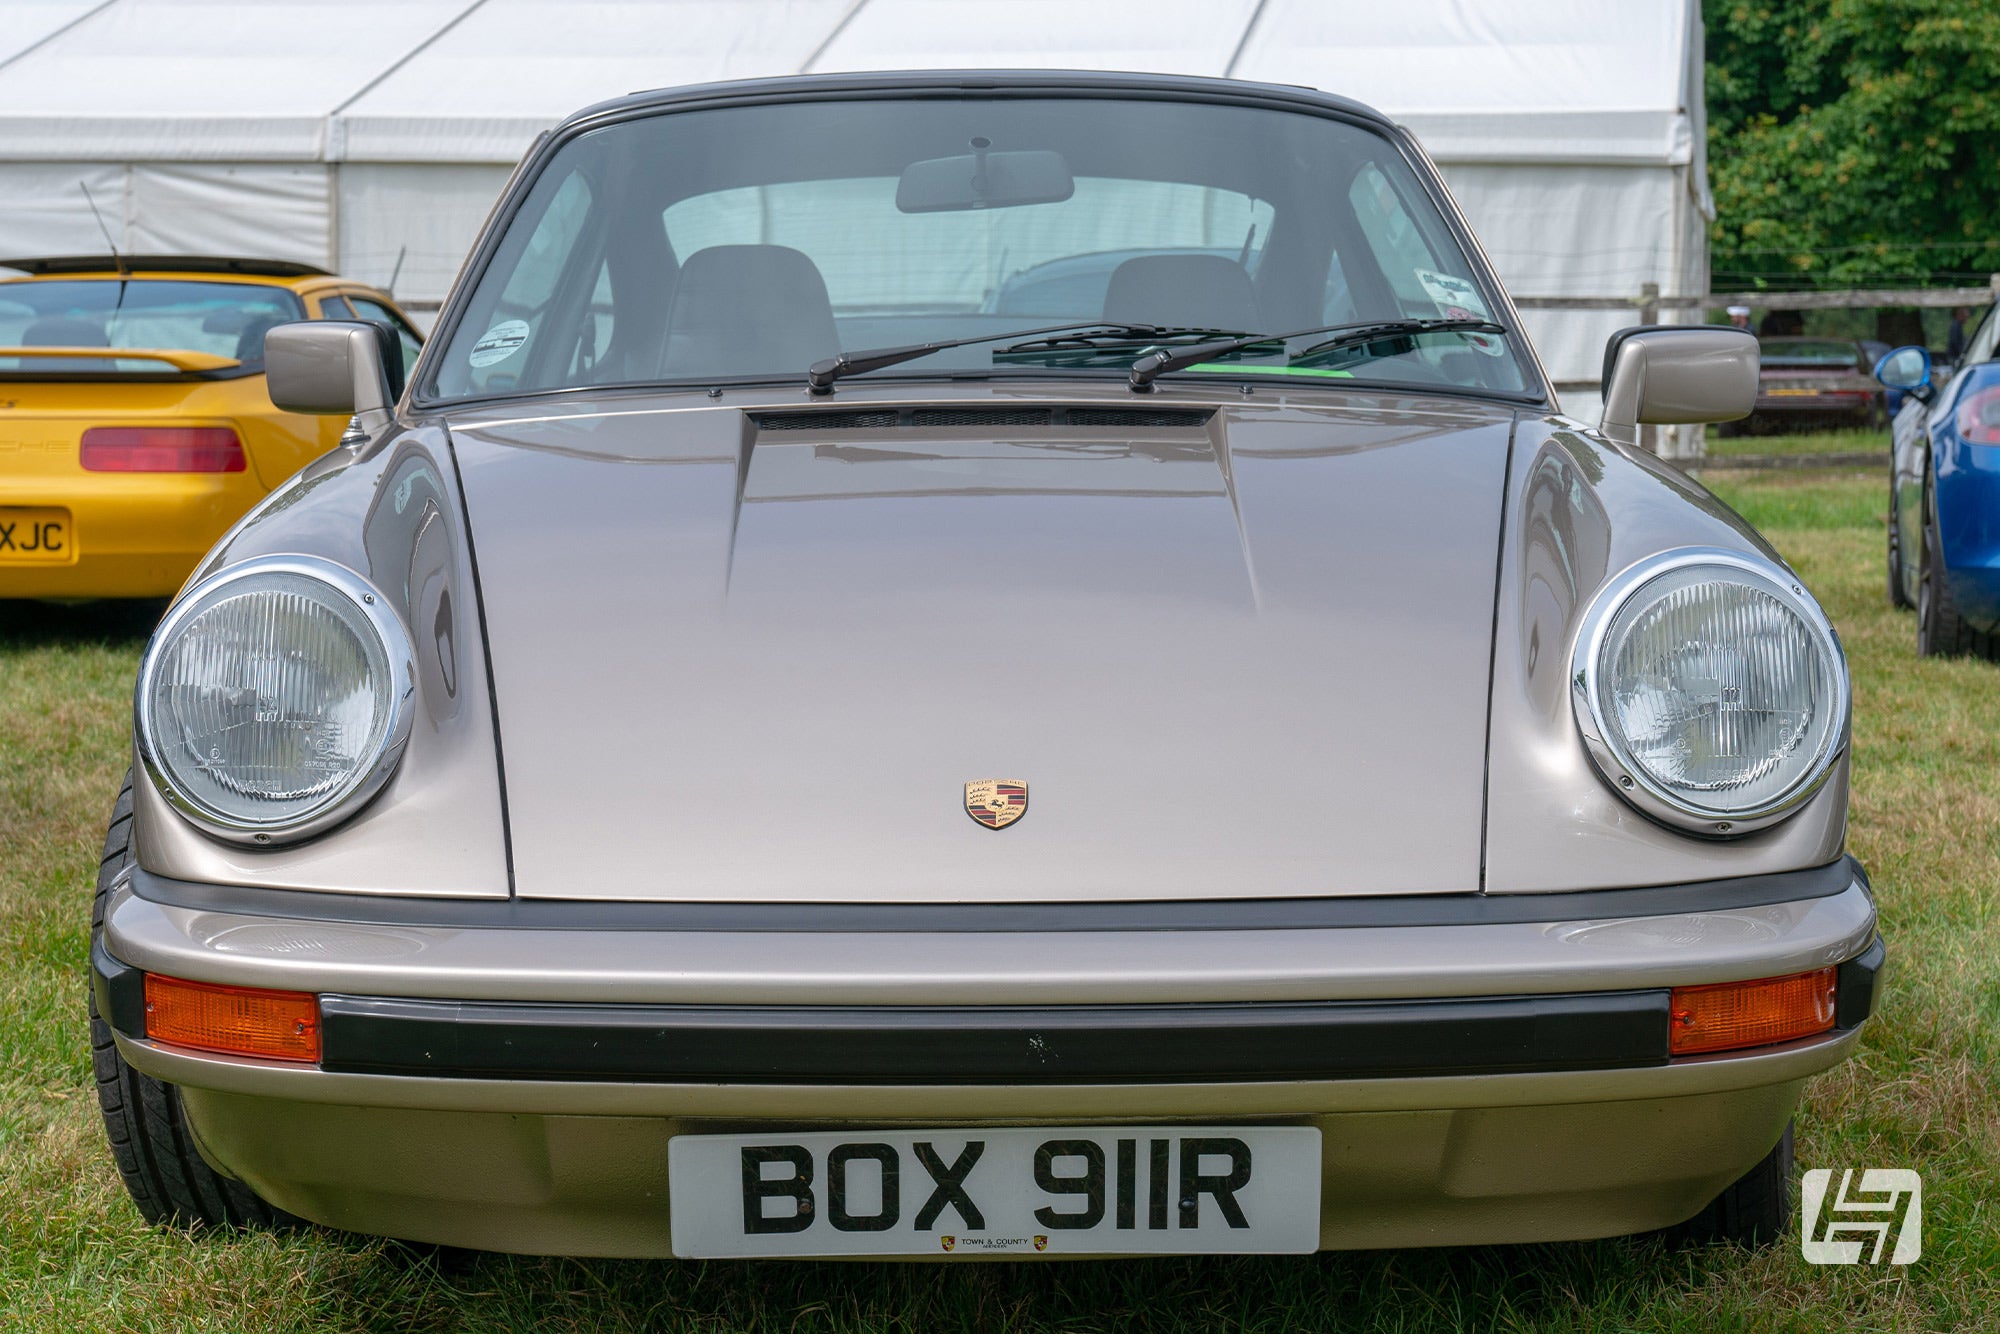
x,y
1754,1210
1941,631
166,1175
1897,597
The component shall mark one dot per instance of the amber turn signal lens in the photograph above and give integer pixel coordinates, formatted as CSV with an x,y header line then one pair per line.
x,y
236,1021
1750,1014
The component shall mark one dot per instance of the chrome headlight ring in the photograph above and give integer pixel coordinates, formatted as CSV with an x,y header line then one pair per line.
x,y
1633,780
358,602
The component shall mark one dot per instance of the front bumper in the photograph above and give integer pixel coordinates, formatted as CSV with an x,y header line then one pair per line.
x,y
1803,396
132,535
1828,403
513,1087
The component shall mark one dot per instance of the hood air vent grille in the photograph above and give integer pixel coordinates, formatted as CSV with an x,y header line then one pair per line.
x,y
1139,416
825,421
881,419
982,417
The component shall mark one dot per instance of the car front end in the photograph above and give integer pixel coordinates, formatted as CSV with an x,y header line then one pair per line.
x,y
1152,787
513,1080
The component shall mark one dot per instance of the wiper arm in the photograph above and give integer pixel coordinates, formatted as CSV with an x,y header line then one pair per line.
x,y
1149,368
822,374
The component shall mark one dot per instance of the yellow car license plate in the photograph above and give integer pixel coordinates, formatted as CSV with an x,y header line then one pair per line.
x,y
1792,392
30,536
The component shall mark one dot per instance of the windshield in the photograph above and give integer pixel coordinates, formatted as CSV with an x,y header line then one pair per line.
x,y
223,319
749,242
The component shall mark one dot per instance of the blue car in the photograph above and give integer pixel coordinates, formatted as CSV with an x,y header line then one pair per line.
x,y
1944,496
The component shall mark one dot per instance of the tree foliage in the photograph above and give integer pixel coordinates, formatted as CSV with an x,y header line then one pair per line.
x,y
1854,142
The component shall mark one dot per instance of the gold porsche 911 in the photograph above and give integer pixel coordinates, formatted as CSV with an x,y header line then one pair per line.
x,y
134,422
756,753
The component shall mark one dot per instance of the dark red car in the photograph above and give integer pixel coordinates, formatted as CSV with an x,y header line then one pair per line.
x,y
1804,383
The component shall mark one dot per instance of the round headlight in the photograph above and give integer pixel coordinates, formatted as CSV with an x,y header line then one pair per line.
x,y
1711,690
274,699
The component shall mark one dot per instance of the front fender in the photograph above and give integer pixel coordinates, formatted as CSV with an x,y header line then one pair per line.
x,y
1581,509
392,513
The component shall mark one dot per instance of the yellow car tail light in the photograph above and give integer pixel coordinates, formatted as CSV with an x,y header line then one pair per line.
x,y
1730,1015
162,449
235,1021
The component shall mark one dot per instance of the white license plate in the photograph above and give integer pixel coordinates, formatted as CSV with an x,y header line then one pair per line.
x,y
1102,1190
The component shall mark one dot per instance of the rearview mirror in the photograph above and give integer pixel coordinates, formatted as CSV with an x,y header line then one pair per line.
x,y
984,180
1907,369
330,368
1672,373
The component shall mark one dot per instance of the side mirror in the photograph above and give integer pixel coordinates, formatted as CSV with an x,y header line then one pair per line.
x,y
331,368
1668,373
1907,369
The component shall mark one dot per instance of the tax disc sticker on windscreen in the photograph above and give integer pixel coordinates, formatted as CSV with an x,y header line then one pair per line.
x,y
1458,299
500,342
1445,291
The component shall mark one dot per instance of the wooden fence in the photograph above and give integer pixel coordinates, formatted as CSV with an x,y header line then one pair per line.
x,y
1649,303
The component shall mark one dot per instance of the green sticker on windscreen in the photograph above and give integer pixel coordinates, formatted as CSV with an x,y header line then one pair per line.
x,y
1226,368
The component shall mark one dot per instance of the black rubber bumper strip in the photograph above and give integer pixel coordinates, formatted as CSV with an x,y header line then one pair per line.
x,y
989,1044
994,1044
119,989
1302,914
1855,984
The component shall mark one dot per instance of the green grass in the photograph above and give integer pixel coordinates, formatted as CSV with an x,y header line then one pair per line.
x,y
1722,446
1926,804
1806,503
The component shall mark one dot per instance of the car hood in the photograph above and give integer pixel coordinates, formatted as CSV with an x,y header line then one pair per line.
x,y
1232,648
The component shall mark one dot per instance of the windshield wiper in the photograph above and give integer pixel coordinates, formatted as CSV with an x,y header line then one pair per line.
x,y
1148,368
1120,336
822,374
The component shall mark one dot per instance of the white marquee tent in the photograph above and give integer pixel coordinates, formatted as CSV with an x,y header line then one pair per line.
x,y
352,133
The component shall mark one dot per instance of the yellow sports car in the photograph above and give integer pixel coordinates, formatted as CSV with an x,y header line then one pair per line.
x,y
134,422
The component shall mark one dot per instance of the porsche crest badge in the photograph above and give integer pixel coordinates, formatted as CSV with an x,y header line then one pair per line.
x,y
996,802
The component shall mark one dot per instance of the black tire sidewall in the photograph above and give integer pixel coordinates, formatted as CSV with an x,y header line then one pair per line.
x,y
1897,597
145,1123
1928,577
1941,633
1754,1210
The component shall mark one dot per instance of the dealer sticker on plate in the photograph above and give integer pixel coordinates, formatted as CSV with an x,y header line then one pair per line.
x,y
1097,1190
